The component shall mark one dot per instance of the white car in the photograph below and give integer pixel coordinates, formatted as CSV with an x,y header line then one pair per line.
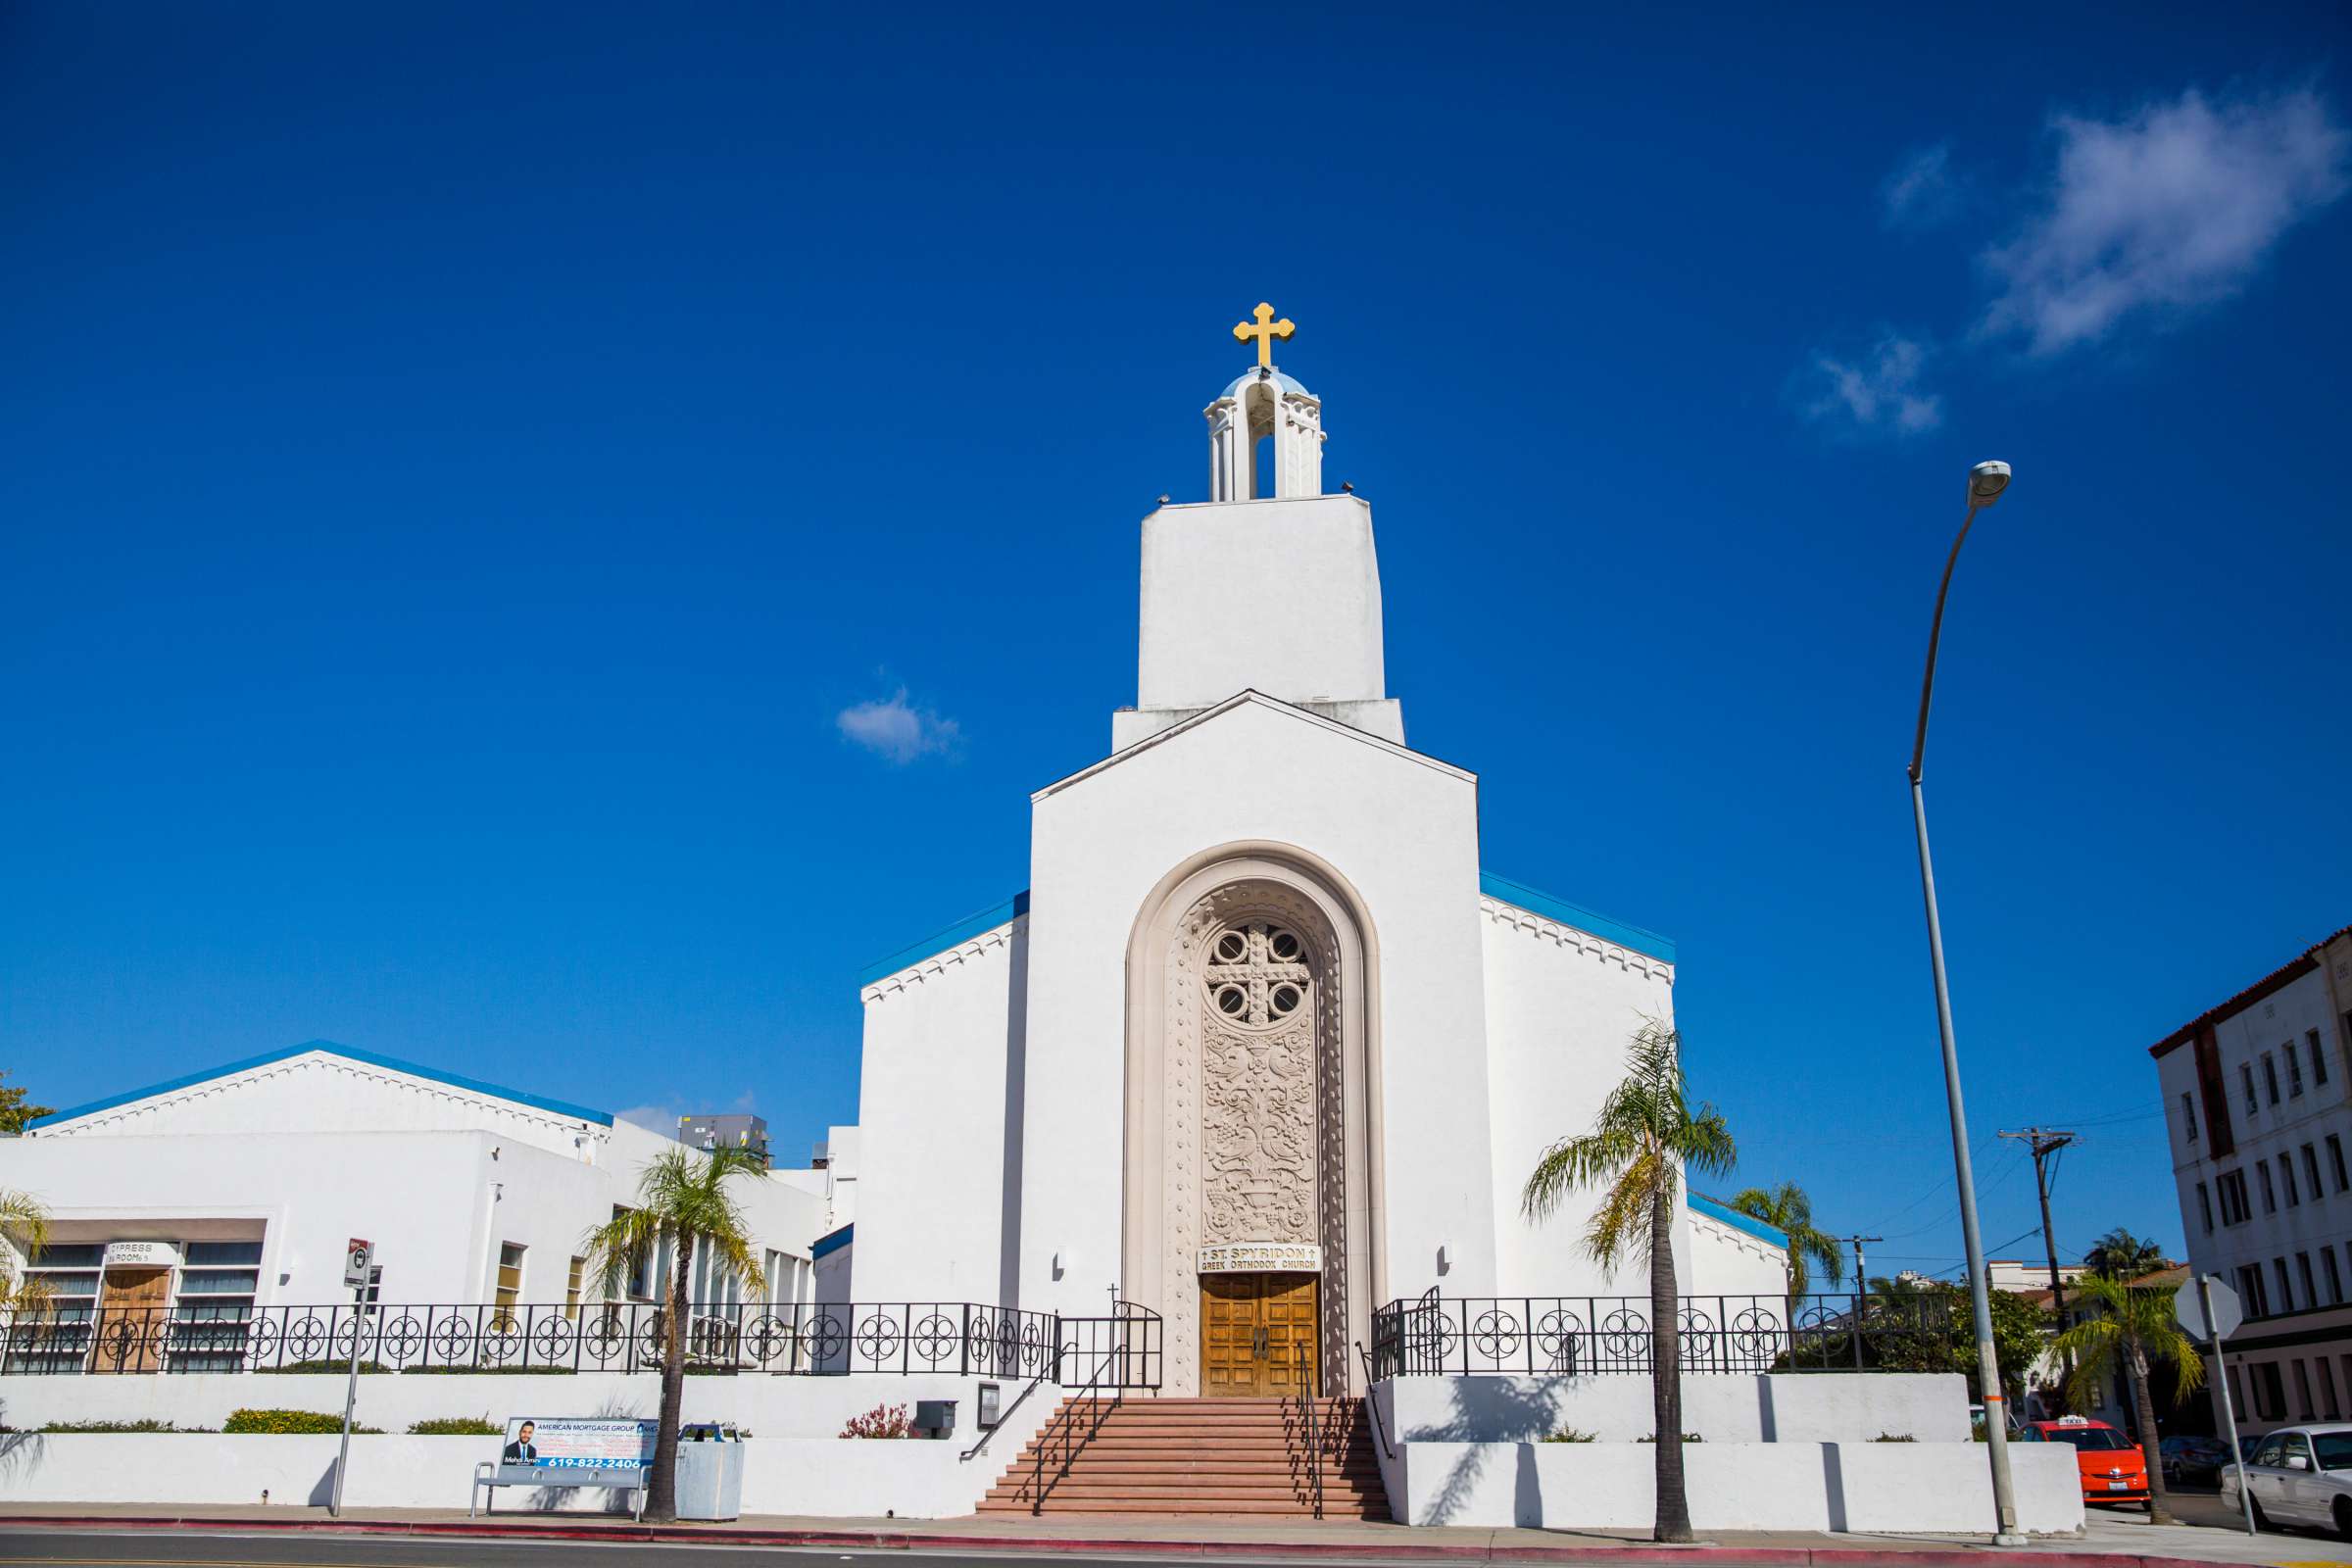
x,y
2298,1476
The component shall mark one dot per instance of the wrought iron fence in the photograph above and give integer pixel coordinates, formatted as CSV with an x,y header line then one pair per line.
x,y
1590,1335
808,1340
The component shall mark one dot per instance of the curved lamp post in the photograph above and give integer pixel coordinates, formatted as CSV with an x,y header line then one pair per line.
x,y
1985,483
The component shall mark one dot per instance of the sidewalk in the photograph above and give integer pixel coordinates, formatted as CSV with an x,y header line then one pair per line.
x,y
2111,1541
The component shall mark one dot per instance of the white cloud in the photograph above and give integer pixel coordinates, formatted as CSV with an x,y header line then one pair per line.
x,y
896,729
1922,192
1877,391
663,1119
2174,206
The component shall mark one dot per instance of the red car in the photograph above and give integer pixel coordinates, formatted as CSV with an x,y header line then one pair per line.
x,y
2113,1468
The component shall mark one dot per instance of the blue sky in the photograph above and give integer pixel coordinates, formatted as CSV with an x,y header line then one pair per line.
x,y
541,540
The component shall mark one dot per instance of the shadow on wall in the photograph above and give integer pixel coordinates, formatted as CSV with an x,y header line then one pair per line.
x,y
1833,1476
1489,1412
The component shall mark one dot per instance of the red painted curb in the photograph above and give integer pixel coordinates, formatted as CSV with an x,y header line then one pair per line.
x,y
930,1540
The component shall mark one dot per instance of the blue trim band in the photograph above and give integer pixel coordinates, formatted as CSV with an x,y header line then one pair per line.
x,y
561,1107
832,1242
1715,1208
972,925
1525,898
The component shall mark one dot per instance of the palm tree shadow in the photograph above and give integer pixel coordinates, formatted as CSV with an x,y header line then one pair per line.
x,y
1488,1413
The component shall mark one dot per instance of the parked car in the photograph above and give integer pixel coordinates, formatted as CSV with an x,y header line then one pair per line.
x,y
2297,1475
2192,1459
2111,1465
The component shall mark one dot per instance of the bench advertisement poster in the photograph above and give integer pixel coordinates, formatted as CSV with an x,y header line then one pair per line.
x,y
562,1445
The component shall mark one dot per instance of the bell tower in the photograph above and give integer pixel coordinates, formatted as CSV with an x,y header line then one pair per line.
x,y
1259,404
1271,585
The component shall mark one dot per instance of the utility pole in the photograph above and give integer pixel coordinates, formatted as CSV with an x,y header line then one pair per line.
x,y
1861,1289
2045,1141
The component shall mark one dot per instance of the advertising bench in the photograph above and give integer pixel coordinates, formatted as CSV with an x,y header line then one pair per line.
x,y
559,1453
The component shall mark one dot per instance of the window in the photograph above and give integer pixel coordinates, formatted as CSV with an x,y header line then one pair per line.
x,y
2270,1076
2286,1178
2295,1070
509,1285
2311,1293
2319,1057
2269,1403
2205,1207
639,1286
2245,1072
2270,1193
2327,1406
2335,1281
2188,1118
2311,1171
2286,1288
2297,1447
573,1280
2250,1290
2230,1185
2336,1161
2237,1388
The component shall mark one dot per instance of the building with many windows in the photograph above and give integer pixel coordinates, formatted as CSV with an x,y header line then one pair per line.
x,y
228,1193
2258,1099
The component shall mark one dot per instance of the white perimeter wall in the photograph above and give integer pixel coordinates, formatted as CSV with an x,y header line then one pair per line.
x,y
1772,1407
1403,830
1561,1008
939,1119
1888,1487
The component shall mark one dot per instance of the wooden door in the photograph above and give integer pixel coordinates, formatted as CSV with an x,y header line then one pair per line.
x,y
131,1306
1259,1335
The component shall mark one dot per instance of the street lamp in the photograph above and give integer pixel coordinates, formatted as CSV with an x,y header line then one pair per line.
x,y
1985,483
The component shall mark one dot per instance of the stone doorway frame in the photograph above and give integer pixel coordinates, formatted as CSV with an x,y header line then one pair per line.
x,y
1147,1161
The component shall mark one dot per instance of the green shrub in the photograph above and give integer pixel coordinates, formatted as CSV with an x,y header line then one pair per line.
x,y
313,1368
1687,1437
455,1426
1894,1437
1571,1434
491,1371
287,1423
146,1423
882,1421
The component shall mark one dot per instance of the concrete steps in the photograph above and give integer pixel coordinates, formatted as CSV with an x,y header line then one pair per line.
x,y
1197,1456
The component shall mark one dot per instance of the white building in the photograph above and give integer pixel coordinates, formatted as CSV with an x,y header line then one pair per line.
x,y
2256,1099
1265,1043
226,1193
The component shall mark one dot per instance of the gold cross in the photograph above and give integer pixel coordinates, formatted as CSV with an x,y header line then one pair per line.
x,y
1265,331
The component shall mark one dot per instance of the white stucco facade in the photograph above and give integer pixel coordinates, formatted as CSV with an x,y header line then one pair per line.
x,y
252,1178
1039,1101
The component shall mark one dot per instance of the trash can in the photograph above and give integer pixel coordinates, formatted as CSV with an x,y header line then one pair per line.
x,y
710,1472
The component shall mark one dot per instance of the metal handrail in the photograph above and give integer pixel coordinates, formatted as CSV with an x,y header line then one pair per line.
x,y
1380,1427
1005,1416
1315,1453
1088,1395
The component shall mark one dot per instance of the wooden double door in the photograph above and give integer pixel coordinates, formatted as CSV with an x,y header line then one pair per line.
x,y
1259,1334
132,1309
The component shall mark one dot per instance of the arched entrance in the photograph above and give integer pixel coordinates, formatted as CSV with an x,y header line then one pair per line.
x,y
1251,1182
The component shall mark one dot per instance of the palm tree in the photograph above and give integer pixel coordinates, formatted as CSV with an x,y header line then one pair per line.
x,y
2121,1256
1645,1135
682,1199
2130,1327
1787,1208
23,1232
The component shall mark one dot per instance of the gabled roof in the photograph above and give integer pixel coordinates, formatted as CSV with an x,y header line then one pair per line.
x,y
601,1118
1246,698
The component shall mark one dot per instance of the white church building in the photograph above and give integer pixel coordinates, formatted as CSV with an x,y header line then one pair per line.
x,y
1272,1046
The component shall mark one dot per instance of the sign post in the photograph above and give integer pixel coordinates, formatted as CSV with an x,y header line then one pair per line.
x,y
359,1256
2214,1314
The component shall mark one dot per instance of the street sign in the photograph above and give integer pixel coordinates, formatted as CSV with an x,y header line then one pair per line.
x,y
357,1256
2228,1313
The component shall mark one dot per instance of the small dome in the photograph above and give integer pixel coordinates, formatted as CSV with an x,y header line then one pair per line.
x,y
1288,384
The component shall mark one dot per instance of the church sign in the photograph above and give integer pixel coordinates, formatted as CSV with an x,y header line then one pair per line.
x,y
1262,1257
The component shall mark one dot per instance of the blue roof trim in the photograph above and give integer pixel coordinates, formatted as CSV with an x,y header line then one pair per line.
x,y
1577,915
831,1242
562,1107
972,925
1715,1208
